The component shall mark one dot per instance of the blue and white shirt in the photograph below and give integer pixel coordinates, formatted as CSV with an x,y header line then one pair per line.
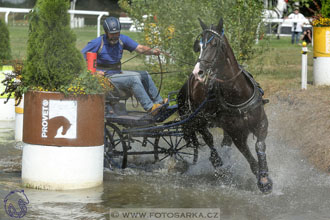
x,y
110,54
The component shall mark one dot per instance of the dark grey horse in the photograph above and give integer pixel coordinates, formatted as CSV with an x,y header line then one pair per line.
x,y
234,103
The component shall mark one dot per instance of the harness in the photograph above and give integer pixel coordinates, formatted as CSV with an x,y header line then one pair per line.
x,y
252,103
115,66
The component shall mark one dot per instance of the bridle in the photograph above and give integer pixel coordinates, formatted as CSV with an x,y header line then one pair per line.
x,y
209,69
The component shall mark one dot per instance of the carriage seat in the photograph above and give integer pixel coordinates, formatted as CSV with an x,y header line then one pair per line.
x,y
114,102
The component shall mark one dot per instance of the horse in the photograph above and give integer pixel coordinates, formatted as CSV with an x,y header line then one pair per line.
x,y
231,100
276,13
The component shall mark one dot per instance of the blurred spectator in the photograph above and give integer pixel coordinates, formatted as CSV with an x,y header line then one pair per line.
x,y
296,26
307,36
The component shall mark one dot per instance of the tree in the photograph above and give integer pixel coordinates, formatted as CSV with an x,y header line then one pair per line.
x,y
325,10
241,20
52,57
173,26
5,52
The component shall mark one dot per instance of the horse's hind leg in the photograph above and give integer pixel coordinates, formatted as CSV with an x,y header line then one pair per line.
x,y
214,156
195,146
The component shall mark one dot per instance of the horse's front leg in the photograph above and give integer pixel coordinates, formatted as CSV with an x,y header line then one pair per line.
x,y
189,135
240,140
265,183
226,141
214,156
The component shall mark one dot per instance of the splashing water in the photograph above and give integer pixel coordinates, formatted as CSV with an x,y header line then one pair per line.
x,y
300,191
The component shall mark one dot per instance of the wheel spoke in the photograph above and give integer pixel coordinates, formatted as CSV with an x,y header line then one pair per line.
x,y
164,157
180,156
166,141
183,146
185,153
178,143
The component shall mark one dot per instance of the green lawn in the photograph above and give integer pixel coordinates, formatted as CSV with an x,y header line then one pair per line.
x,y
280,66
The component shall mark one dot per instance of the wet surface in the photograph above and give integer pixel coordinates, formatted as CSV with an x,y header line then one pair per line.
x,y
300,191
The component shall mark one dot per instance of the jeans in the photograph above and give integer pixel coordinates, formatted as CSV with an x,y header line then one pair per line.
x,y
140,84
295,36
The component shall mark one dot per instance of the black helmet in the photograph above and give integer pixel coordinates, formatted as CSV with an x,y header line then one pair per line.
x,y
111,25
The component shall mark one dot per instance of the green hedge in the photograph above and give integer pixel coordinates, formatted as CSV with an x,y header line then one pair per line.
x,y
5,52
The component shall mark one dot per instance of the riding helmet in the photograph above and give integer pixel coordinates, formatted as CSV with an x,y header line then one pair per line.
x,y
111,25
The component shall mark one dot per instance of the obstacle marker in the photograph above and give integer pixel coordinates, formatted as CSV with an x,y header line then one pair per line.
x,y
19,111
63,141
321,44
304,66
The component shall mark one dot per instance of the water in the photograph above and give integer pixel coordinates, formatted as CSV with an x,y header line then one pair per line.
x,y
300,191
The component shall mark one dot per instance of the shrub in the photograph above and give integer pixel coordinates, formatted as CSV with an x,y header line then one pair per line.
x,y
52,57
5,52
325,10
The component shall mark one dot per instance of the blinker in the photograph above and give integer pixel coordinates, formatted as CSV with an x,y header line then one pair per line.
x,y
196,46
199,43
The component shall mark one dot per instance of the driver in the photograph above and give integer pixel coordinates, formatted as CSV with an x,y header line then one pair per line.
x,y
109,48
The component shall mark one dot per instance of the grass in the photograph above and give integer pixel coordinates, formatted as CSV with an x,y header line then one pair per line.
x,y
19,37
278,67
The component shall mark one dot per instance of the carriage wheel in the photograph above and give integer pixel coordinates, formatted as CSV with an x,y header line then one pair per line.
x,y
178,148
115,147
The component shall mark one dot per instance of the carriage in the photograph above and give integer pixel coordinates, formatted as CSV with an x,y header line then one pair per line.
x,y
159,135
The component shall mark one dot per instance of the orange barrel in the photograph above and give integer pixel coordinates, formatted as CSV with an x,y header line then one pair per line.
x,y
91,61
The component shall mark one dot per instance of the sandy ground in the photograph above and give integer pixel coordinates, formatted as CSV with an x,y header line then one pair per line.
x,y
304,116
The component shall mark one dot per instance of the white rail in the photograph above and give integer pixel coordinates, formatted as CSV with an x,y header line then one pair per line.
x,y
72,12
287,20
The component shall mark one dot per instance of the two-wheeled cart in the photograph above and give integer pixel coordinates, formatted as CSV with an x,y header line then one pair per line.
x,y
155,135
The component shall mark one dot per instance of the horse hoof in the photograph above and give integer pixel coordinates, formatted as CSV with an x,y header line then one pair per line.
x,y
215,159
265,184
216,163
227,141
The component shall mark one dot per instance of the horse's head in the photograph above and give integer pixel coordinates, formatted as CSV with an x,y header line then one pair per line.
x,y
211,45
